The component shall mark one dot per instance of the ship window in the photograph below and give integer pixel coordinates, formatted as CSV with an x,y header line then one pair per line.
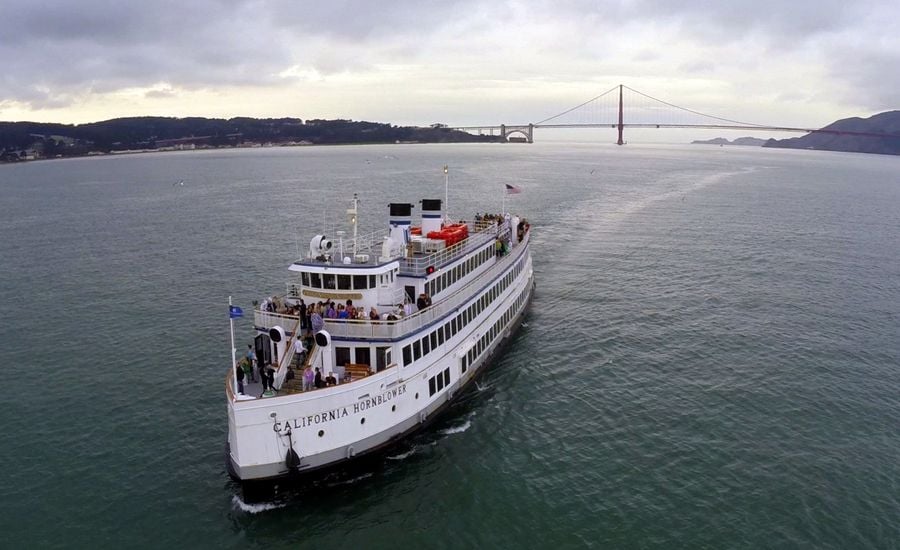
x,y
440,336
417,350
426,347
440,382
447,331
341,356
363,356
359,282
465,364
362,420
327,281
407,355
434,343
447,377
431,386
343,282
445,280
304,279
321,433
315,280
371,281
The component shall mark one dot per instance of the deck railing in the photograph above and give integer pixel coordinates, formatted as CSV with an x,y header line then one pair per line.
x,y
395,329
479,234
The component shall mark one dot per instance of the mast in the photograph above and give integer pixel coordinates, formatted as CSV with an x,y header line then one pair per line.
x,y
446,193
354,221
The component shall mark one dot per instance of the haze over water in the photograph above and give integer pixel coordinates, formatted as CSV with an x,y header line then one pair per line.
x,y
711,359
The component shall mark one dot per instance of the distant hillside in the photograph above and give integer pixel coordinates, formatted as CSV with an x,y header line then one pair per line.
x,y
750,141
34,140
882,123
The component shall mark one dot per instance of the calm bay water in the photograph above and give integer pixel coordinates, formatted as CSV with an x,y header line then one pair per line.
x,y
712,359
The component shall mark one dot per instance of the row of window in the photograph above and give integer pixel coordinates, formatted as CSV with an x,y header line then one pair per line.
x,y
331,281
438,382
436,338
443,281
489,336
361,355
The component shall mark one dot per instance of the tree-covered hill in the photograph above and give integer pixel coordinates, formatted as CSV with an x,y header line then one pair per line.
x,y
26,140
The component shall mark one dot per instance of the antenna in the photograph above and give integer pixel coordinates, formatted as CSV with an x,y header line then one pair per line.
x,y
446,193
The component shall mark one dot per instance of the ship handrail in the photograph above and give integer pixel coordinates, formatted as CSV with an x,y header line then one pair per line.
x,y
481,233
395,329
288,357
352,328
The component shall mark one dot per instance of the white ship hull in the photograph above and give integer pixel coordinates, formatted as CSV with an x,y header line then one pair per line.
x,y
482,278
361,418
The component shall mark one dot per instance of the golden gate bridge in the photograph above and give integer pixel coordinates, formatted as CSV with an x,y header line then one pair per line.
x,y
608,110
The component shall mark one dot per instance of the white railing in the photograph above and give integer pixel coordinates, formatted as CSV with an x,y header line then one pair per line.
x,y
371,243
396,329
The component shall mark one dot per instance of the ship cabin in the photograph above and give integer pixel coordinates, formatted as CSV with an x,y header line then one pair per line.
x,y
390,271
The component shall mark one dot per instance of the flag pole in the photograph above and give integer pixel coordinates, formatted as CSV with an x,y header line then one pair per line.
x,y
446,193
233,351
503,206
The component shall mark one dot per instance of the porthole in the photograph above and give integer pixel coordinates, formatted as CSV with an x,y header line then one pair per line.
x,y
321,433
417,395
362,420
393,408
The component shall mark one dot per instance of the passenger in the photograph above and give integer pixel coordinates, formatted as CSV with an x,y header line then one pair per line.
x,y
498,247
308,378
239,375
373,314
351,311
318,379
330,312
316,321
251,357
420,302
247,367
342,313
263,376
427,300
330,380
299,351
301,312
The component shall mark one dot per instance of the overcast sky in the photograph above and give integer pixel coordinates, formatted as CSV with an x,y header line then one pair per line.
x,y
787,62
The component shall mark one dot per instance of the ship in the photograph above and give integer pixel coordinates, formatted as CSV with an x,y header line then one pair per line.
x,y
419,313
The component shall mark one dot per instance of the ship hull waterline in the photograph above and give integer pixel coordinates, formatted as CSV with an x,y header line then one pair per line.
x,y
262,488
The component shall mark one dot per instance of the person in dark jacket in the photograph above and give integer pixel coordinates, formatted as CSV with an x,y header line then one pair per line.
x,y
318,380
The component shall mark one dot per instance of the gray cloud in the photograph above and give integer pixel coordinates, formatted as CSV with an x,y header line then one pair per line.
x,y
55,52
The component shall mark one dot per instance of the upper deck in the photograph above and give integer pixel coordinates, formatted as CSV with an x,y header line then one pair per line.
x,y
397,329
366,252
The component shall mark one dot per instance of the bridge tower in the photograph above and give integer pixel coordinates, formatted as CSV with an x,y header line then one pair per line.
x,y
621,123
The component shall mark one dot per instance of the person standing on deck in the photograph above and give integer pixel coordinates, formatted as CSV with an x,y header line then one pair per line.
x,y
299,351
251,356
239,375
316,321
308,378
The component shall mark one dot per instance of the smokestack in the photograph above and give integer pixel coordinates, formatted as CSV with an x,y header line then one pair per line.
x,y
432,215
400,219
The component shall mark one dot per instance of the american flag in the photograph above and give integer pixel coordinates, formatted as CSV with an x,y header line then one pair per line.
x,y
512,189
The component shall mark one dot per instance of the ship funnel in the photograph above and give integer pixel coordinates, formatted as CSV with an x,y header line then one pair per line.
x,y
400,219
432,216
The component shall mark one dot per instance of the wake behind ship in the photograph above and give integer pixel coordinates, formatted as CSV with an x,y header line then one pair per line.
x,y
371,341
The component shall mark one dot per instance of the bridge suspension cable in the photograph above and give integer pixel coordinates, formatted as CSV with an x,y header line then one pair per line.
x,y
580,105
693,111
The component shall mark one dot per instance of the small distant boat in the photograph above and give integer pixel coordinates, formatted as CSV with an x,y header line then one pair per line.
x,y
180,183
393,370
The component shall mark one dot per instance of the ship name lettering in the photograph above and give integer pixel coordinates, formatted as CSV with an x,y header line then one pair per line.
x,y
340,412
